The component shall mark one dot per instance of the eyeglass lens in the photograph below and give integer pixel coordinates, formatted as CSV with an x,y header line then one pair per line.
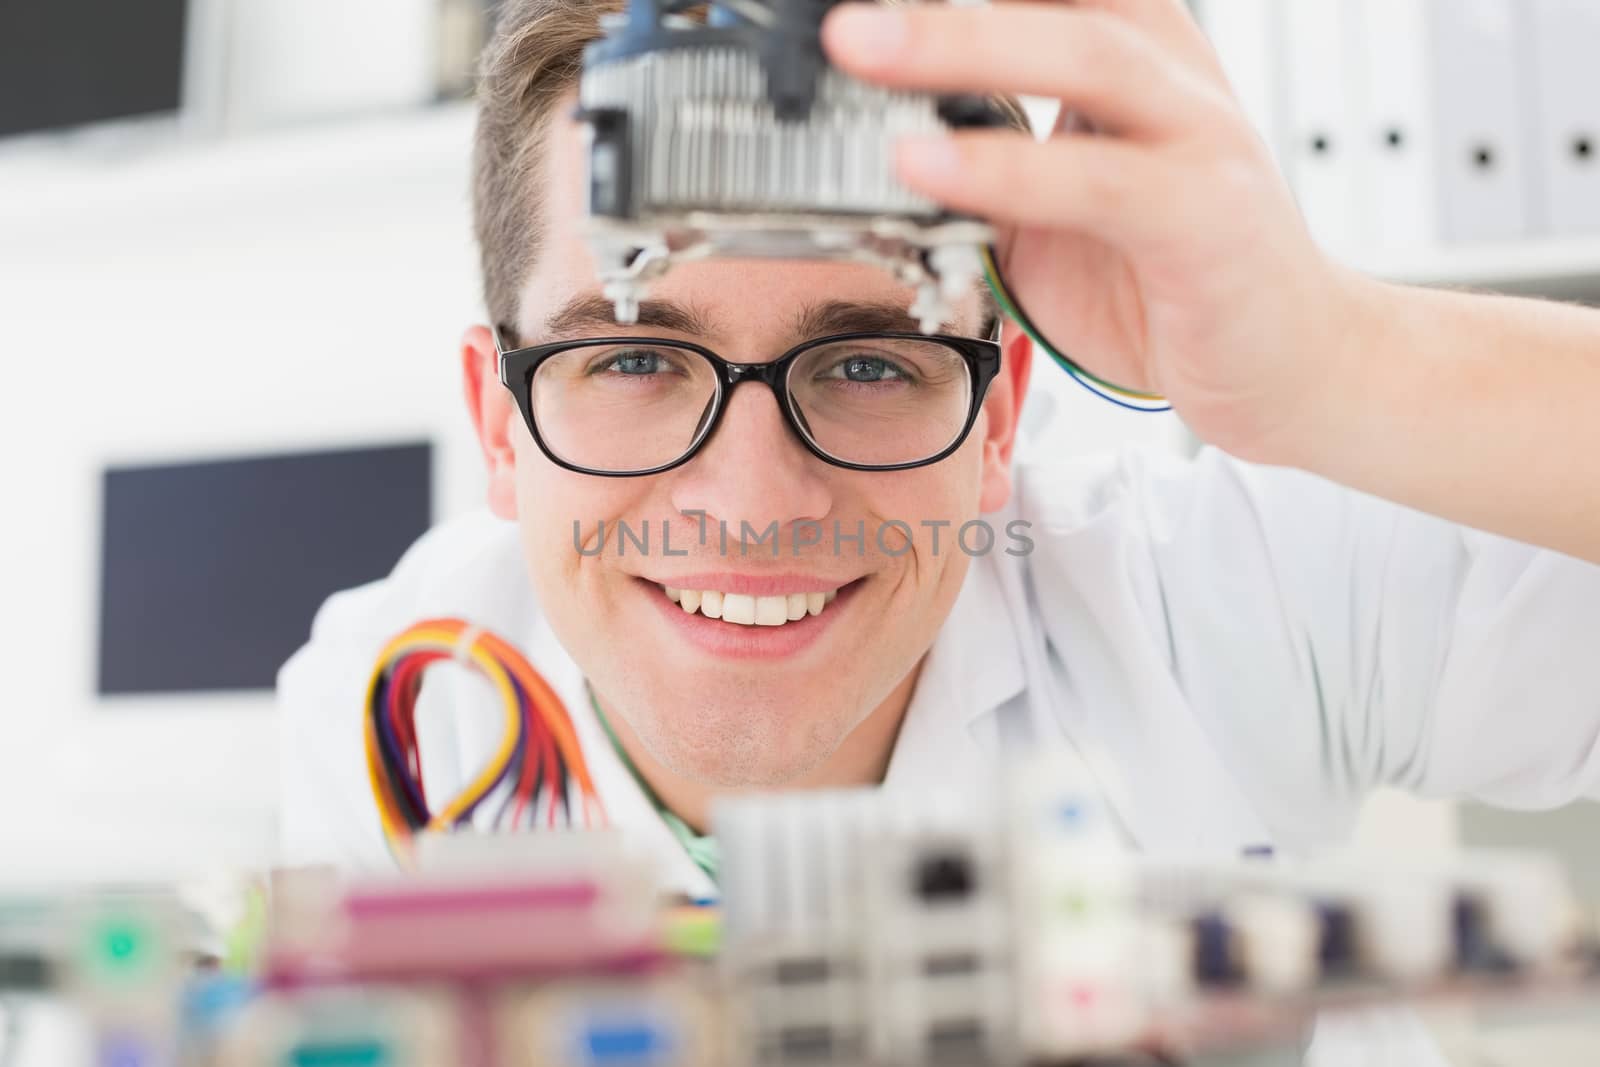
x,y
641,405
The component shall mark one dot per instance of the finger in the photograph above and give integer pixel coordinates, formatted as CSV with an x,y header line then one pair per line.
x,y
1094,62
1170,22
1111,189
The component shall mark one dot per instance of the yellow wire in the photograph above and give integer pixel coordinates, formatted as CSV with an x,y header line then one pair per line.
x,y
1014,309
392,831
445,641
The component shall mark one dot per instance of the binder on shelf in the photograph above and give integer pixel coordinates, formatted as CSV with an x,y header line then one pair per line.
x,y
1248,37
1479,100
1565,73
1321,131
1396,145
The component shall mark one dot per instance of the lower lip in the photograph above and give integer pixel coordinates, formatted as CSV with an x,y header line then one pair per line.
x,y
731,640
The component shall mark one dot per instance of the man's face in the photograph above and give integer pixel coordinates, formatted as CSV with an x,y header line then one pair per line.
x,y
719,702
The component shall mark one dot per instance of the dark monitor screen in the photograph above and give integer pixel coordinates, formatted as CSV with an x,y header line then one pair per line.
x,y
212,571
69,62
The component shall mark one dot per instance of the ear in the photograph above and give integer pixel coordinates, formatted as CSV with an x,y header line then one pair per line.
x,y
494,417
1002,410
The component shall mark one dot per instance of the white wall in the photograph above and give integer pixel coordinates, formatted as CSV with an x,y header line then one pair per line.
x,y
290,290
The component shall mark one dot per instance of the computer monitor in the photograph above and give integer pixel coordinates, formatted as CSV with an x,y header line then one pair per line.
x,y
212,570
88,61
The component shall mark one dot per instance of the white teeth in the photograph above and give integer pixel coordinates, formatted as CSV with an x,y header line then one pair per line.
x,y
772,610
738,607
748,610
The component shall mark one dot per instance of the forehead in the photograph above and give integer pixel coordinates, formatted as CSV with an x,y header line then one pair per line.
x,y
729,301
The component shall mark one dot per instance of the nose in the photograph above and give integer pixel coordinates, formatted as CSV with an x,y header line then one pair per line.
x,y
753,472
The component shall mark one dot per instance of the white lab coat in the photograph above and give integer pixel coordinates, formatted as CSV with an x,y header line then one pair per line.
x,y
1235,654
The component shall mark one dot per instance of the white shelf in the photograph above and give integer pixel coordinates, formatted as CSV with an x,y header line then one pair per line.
x,y
1567,268
50,179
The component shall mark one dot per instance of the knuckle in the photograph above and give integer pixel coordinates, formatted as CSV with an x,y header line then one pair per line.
x,y
1105,45
1111,189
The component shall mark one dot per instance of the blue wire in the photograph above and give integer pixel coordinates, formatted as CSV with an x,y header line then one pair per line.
x,y
1109,398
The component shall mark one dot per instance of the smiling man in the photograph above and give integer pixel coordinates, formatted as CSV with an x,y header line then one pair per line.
x,y
771,536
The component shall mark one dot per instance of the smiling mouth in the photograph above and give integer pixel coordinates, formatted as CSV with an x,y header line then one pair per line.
x,y
745,610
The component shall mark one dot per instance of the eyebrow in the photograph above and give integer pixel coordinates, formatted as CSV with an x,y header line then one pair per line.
x,y
844,316
585,314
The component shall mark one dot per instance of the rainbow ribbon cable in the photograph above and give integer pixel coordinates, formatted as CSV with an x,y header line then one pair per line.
x,y
536,768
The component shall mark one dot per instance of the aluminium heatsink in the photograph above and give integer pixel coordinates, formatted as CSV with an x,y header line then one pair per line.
x,y
734,138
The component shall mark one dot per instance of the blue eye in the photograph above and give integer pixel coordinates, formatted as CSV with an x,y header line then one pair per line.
x,y
866,369
636,363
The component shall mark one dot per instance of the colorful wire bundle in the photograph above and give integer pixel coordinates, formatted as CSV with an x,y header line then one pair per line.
x,y
1107,391
535,767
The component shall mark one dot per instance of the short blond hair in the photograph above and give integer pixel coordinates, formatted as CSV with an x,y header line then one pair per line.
x,y
533,60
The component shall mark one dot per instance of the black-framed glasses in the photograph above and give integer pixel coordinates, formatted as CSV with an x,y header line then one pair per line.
x,y
633,406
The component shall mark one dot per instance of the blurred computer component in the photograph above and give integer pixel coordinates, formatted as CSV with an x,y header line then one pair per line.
x,y
860,931
870,927
862,928
498,951
479,907
119,956
349,1026
795,942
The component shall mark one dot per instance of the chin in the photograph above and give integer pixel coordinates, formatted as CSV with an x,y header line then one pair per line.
x,y
742,752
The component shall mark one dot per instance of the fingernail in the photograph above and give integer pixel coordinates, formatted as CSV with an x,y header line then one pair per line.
x,y
931,159
867,32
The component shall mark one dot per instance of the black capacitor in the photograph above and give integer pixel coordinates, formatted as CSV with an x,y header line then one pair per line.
x,y
1338,950
944,877
1216,963
1475,947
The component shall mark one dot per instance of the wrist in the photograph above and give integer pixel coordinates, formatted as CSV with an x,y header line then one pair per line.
x,y
1337,417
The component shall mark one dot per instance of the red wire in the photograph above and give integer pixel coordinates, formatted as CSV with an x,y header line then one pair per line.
x,y
404,687
396,717
553,781
410,688
533,759
550,740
